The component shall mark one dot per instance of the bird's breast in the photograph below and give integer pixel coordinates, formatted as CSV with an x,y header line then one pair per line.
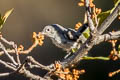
x,y
61,44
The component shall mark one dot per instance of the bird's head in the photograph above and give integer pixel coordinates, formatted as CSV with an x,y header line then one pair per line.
x,y
52,30
48,31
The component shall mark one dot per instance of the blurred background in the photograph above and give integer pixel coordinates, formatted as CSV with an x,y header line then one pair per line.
x,y
32,15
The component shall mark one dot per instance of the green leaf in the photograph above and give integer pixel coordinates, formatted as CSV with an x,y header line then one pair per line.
x,y
74,50
119,49
1,21
4,18
103,15
116,2
86,33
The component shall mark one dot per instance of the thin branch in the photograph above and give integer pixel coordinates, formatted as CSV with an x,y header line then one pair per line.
x,y
17,55
6,41
28,74
5,74
7,54
109,36
27,51
6,65
8,50
90,22
32,60
22,70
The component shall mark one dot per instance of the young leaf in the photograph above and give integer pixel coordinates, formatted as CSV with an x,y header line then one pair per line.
x,y
102,16
86,33
7,14
4,18
1,22
119,49
116,2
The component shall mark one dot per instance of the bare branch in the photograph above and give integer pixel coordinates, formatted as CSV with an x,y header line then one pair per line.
x,y
27,51
30,59
5,74
22,70
6,53
90,22
28,74
17,55
6,65
109,36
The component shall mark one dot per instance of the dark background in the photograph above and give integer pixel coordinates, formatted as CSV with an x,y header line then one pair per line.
x,y
32,15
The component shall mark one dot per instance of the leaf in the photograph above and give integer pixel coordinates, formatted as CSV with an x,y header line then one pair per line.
x,y
103,15
4,18
86,33
1,21
74,50
116,2
7,14
119,49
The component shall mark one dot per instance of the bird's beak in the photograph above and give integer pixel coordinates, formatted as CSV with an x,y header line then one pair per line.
x,y
42,33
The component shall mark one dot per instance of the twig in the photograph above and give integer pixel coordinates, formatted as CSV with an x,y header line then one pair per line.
x,y
27,51
108,36
17,55
5,74
83,50
30,59
6,65
111,74
6,53
28,74
90,22
22,70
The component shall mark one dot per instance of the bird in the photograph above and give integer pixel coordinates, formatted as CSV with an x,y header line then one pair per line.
x,y
65,38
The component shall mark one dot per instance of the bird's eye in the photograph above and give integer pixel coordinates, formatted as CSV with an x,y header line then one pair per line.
x,y
47,30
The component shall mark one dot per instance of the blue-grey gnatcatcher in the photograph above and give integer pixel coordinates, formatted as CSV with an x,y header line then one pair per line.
x,y
65,38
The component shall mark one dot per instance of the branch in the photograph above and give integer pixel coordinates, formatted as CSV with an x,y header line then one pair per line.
x,y
109,36
27,51
4,74
32,60
7,54
23,71
89,20
28,74
84,47
91,41
8,66
17,55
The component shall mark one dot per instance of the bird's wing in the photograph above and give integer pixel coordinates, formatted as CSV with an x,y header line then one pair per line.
x,y
71,35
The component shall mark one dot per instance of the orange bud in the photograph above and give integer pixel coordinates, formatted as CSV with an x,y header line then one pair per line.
x,y
81,4
110,74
